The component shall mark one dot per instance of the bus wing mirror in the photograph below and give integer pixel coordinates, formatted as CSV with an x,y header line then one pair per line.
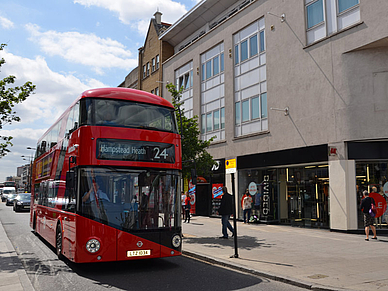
x,y
70,180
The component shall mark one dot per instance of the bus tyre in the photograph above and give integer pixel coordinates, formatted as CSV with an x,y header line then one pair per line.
x,y
58,244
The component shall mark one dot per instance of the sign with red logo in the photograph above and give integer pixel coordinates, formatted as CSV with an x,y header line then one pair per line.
x,y
381,203
217,191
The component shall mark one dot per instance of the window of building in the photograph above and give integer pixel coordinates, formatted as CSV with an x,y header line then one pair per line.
x,y
144,71
212,94
152,91
184,79
314,13
157,91
248,47
250,80
344,5
148,69
157,62
324,18
153,65
253,49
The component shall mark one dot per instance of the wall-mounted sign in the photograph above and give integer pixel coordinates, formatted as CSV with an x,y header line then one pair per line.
x,y
129,150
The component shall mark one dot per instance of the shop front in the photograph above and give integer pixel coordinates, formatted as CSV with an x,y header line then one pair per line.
x,y
371,161
287,187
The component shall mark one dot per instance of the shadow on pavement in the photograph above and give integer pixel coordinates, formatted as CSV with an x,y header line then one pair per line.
x,y
244,242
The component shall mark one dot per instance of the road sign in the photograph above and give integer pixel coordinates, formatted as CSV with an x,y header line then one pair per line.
x,y
230,166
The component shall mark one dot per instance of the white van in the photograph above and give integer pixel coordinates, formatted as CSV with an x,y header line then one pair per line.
x,y
6,191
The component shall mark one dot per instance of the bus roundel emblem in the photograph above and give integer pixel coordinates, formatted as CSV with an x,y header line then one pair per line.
x,y
139,244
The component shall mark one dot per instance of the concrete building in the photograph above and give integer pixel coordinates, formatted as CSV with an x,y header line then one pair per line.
x,y
296,92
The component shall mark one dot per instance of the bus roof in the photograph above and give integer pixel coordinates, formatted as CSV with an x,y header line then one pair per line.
x,y
126,94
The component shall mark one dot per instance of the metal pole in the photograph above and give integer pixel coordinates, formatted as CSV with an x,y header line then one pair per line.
x,y
234,220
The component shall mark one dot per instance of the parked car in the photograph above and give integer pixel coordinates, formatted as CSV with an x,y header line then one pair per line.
x,y
22,202
10,199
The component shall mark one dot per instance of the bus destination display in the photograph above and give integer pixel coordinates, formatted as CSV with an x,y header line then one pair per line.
x,y
125,150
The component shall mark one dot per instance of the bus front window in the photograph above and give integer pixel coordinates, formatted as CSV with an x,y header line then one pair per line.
x,y
130,200
121,113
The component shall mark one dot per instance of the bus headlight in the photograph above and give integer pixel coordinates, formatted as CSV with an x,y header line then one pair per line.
x,y
93,246
176,240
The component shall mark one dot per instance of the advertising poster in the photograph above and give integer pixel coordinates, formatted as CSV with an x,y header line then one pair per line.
x,y
216,197
192,193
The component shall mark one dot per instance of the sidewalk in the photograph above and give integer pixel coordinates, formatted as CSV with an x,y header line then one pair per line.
x,y
311,258
12,274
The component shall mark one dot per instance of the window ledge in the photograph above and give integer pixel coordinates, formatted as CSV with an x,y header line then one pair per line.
x,y
251,135
332,35
217,142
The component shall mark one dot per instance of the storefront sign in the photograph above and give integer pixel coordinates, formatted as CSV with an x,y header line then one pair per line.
x,y
266,205
129,150
381,203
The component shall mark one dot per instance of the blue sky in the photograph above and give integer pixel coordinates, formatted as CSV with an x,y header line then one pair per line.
x,y
65,47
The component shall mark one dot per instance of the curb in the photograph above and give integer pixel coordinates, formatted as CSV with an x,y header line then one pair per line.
x,y
283,279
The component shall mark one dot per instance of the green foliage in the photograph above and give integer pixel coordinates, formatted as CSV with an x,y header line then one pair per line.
x,y
9,97
193,149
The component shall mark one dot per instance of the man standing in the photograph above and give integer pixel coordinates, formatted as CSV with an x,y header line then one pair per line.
x,y
366,204
225,210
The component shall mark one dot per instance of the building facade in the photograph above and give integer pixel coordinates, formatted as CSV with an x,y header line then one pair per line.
x,y
296,92
148,75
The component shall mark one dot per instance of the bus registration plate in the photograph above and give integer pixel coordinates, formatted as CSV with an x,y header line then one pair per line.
x,y
138,253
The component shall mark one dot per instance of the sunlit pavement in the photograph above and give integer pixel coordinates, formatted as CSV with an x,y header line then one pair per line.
x,y
312,258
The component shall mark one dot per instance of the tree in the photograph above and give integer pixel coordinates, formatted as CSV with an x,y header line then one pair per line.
x,y
9,97
193,149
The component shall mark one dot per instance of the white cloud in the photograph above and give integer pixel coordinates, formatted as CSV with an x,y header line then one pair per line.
x,y
54,93
130,12
86,49
6,23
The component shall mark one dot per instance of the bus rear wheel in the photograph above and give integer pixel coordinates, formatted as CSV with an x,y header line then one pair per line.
x,y
58,244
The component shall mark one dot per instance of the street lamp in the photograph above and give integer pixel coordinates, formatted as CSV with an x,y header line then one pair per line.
x,y
30,170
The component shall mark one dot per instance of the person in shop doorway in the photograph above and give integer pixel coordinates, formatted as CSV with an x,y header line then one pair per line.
x,y
369,221
247,206
187,207
225,210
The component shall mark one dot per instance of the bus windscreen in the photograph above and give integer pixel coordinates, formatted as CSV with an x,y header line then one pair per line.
x,y
122,113
130,200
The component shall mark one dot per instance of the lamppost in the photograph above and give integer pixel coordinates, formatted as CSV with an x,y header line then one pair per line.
x,y
30,170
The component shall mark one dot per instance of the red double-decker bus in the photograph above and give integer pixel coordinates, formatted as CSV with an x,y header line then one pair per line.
x,y
106,178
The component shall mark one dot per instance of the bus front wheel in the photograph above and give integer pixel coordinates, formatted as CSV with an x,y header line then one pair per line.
x,y
58,245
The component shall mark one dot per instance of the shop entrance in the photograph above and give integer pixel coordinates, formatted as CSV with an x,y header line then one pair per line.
x,y
307,196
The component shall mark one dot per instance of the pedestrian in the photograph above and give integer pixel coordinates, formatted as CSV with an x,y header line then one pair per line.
x,y
183,197
247,206
366,205
225,210
187,207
